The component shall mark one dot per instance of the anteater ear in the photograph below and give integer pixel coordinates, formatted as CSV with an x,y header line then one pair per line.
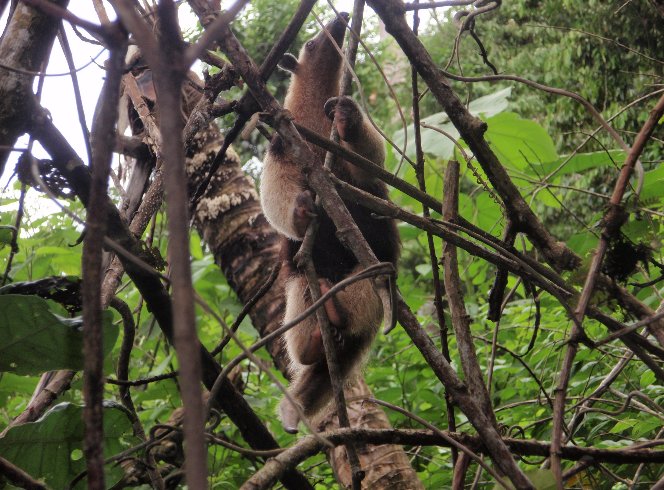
x,y
289,63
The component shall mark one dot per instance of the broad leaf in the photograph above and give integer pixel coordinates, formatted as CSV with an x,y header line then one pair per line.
x,y
541,479
653,187
6,234
580,163
47,448
518,142
35,340
492,104
435,143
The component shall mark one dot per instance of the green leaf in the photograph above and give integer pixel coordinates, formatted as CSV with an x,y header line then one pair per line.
x,y
492,104
582,243
541,480
424,269
638,229
439,145
53,261
489,212
646,428
195,246
35,340
580,163
647,379
519,142
6,234
44,448
12,384
653,187
623,425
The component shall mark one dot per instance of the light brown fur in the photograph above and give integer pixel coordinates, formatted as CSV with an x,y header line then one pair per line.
x,y
282,180
355,314
311,387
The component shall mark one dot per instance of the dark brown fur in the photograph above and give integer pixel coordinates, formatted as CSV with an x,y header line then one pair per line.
x,y
355,313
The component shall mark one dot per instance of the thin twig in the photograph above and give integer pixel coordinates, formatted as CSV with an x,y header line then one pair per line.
x,y
143,381
247,307
440,433
92,256
13,246
66,49
129,331
612,222
433,259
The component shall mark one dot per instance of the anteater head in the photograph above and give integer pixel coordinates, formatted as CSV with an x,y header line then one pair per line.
x,y
320,52
315,76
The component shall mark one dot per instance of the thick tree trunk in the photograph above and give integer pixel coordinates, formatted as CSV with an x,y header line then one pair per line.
x,y
386,466
25,46
230,220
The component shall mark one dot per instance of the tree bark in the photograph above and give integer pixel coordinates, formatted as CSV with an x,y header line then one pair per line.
x,y
25,46
246,248
387,465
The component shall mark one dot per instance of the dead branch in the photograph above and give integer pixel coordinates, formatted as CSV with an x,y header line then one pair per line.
x,y
308,446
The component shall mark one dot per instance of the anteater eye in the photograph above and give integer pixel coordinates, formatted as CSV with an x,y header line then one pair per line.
x,y
310,44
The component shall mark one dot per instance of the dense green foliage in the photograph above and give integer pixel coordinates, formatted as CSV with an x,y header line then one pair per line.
x,y
533,134
609,55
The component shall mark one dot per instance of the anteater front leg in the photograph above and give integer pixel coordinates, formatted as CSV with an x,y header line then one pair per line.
x,y
356,133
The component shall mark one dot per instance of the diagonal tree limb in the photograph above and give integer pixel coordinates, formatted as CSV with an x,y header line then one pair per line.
x,y
92,257
613,220
350,236
472,130
154,293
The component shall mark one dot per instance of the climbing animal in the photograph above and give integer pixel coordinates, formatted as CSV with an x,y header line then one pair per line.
x,y
356,312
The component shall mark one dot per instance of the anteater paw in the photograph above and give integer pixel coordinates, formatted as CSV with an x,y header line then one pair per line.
x,y
346,115
304,211
331,307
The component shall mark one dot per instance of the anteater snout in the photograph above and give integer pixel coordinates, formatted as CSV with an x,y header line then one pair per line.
x,y
337,27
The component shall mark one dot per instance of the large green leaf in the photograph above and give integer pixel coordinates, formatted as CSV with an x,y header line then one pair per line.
x,y
6,234
55,260
47,449
519,142
434,143
581,162
653,187
491,104
35,340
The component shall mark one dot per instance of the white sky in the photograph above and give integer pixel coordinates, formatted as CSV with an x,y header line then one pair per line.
x,y
58,93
